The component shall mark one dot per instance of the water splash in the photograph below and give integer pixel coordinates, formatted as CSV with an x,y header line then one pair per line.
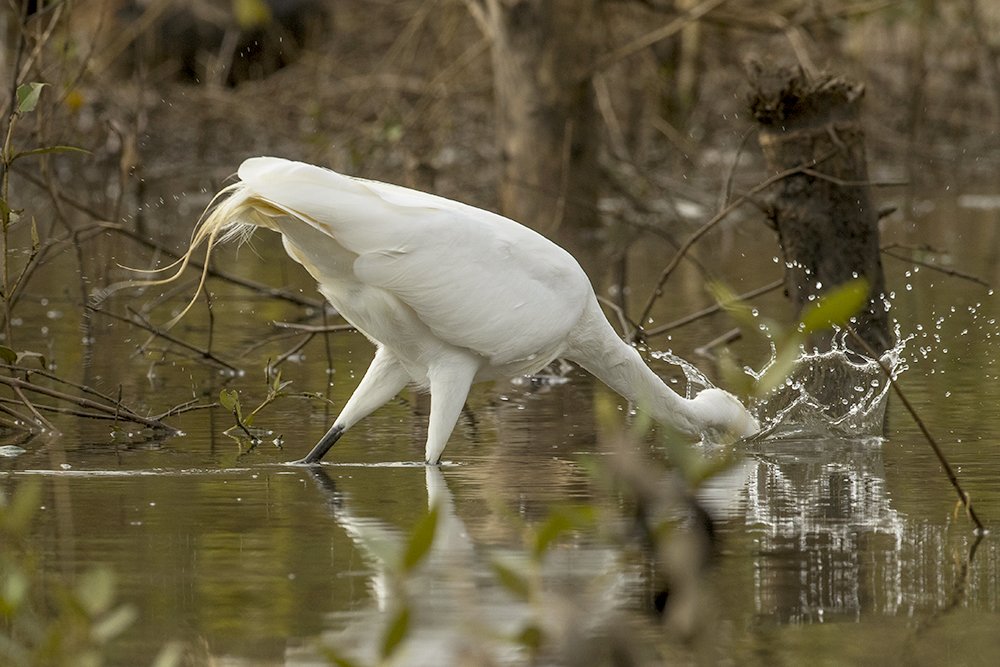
x,y
836,392
695,380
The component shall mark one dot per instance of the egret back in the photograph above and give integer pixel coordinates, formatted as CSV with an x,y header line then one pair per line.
x,y
476,279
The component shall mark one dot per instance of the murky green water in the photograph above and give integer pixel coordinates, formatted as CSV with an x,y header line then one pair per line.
x,y
831,551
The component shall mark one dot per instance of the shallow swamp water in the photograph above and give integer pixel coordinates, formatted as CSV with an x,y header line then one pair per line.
x,y
831,550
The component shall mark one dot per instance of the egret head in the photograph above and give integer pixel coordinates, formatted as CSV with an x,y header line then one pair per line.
x,y
722,414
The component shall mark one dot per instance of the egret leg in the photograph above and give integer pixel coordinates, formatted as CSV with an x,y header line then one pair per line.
x,y
450,384
384,379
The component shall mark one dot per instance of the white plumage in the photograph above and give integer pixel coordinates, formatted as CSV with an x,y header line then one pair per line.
x,y
450,295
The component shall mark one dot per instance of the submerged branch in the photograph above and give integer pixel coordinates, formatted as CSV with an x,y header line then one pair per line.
x,y
184,407
111,411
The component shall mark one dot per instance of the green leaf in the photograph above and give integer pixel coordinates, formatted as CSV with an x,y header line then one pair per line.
x,y
13,590
420,540
396,632
95,591
113,624
561,521
27,96
170,655
512,580
836,307
334,656
27,354
8,355
18,515
230,400
741,311
251,13
530,637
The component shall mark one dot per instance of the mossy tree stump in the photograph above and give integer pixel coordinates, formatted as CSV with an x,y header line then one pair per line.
x,y
823,213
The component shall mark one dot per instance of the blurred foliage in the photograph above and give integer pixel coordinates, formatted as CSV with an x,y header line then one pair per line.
x,y
833,310
46,622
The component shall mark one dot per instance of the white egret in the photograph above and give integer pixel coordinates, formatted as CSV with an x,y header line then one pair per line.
x,y
449,294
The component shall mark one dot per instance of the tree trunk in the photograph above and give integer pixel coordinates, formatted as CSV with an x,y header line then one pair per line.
x,y
825,219
543,52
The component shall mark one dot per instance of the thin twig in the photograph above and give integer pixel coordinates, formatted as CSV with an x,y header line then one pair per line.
x,y
55,378
187,406
17,385
963,497
142,323
298,347
721,215
955,273
711,310
626,324
242,426
66,411
731,176
313,328
723,339
42,421
844,183
18,417
655,36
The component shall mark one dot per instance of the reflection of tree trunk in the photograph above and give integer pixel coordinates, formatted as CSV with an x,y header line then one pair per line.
x,y
542,55
825,219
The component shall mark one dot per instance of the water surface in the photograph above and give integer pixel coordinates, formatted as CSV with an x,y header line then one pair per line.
x,y
830,548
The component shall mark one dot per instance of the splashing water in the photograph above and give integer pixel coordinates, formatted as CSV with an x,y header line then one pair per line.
x,y
837,392
695,379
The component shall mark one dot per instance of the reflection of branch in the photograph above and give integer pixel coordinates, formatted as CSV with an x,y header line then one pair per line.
x,y
963,497
184,407
958,590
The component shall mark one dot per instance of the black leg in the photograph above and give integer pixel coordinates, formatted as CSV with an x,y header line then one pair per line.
x,y
323,446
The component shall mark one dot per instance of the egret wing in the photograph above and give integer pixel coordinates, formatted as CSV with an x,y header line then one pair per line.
x,y
477,279
505,293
